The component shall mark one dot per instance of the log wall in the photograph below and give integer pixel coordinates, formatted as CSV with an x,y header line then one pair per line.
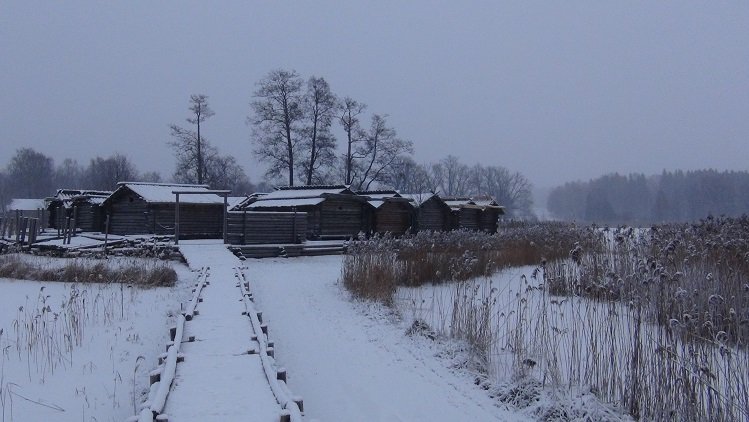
x,y
393,217
432,216
342,218
261,227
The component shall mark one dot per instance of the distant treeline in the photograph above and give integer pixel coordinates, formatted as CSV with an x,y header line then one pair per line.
x,y
636,198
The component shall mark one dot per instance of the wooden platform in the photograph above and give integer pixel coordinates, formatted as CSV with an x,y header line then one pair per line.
x,y
289,250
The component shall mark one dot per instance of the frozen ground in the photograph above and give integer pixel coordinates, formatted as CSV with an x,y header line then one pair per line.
x,y
116,336
350,361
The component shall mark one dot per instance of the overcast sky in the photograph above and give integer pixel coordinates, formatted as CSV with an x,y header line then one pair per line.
x,y
557,90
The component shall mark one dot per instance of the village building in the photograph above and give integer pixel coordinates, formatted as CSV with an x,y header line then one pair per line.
x,y
392,213
430,210
81,205
490,213
465,214
149,208
333,211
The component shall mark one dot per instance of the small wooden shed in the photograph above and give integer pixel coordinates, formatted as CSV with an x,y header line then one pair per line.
x,y
333,211
392,213
490,212
149,208
465,214
431,211
80,204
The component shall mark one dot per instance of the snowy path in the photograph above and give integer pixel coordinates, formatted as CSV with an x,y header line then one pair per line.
x,y
219,381
349,366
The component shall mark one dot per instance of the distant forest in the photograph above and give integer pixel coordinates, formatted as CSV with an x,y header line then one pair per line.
x,y
636,198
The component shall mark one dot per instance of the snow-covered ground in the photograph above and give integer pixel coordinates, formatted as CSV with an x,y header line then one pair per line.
x,y
219,380
76,352
352,361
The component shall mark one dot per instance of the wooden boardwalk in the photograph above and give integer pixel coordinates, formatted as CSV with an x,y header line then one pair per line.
x,y
226,370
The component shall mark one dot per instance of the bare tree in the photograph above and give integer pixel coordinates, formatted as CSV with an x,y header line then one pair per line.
x,y
512,190
30,174
190,144
350,110
406,176
451,175
151,176
105,173
380,148
69,174
276,119
225,173
318,143
185,146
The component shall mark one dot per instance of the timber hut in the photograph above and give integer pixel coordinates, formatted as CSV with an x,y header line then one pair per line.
x,y
333,211
84,206
490,212
465,214
392,213
431,211
149,208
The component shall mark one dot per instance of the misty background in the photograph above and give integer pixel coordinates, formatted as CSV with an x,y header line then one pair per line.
x,y
556,92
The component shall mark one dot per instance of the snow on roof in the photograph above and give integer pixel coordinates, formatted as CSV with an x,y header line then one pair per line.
x,y
25,204
458,202
68,194
234,201
161,193
418,198
379,194
288,202
287,192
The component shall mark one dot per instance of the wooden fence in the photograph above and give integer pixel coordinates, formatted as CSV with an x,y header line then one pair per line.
x,y
258,227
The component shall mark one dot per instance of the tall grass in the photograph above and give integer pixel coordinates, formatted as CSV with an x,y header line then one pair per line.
x,y
139,272
373,268
651,321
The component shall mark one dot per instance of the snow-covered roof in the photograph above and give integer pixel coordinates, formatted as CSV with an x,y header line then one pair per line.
x,y
234,201
247,200
377,198
25,204
418,198
287,192
161,193
68,194
290,202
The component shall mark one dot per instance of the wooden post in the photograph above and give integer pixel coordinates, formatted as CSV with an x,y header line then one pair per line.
x,y
293,226
226,216
75,218
176,220
106,233
18,225
244,226
32,230
66,240
60,221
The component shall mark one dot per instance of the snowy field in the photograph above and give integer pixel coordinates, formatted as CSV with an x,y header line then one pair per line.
x,y
76,351
352,361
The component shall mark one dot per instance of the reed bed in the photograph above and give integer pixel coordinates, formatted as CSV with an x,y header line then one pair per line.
x,y
653,322
137,272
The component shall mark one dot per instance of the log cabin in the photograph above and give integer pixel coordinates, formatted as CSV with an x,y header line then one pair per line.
x,y
149,208
82,205
333,211
393,213
465,214
491,210
430,210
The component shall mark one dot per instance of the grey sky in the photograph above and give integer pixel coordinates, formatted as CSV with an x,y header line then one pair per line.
x,y
556,90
